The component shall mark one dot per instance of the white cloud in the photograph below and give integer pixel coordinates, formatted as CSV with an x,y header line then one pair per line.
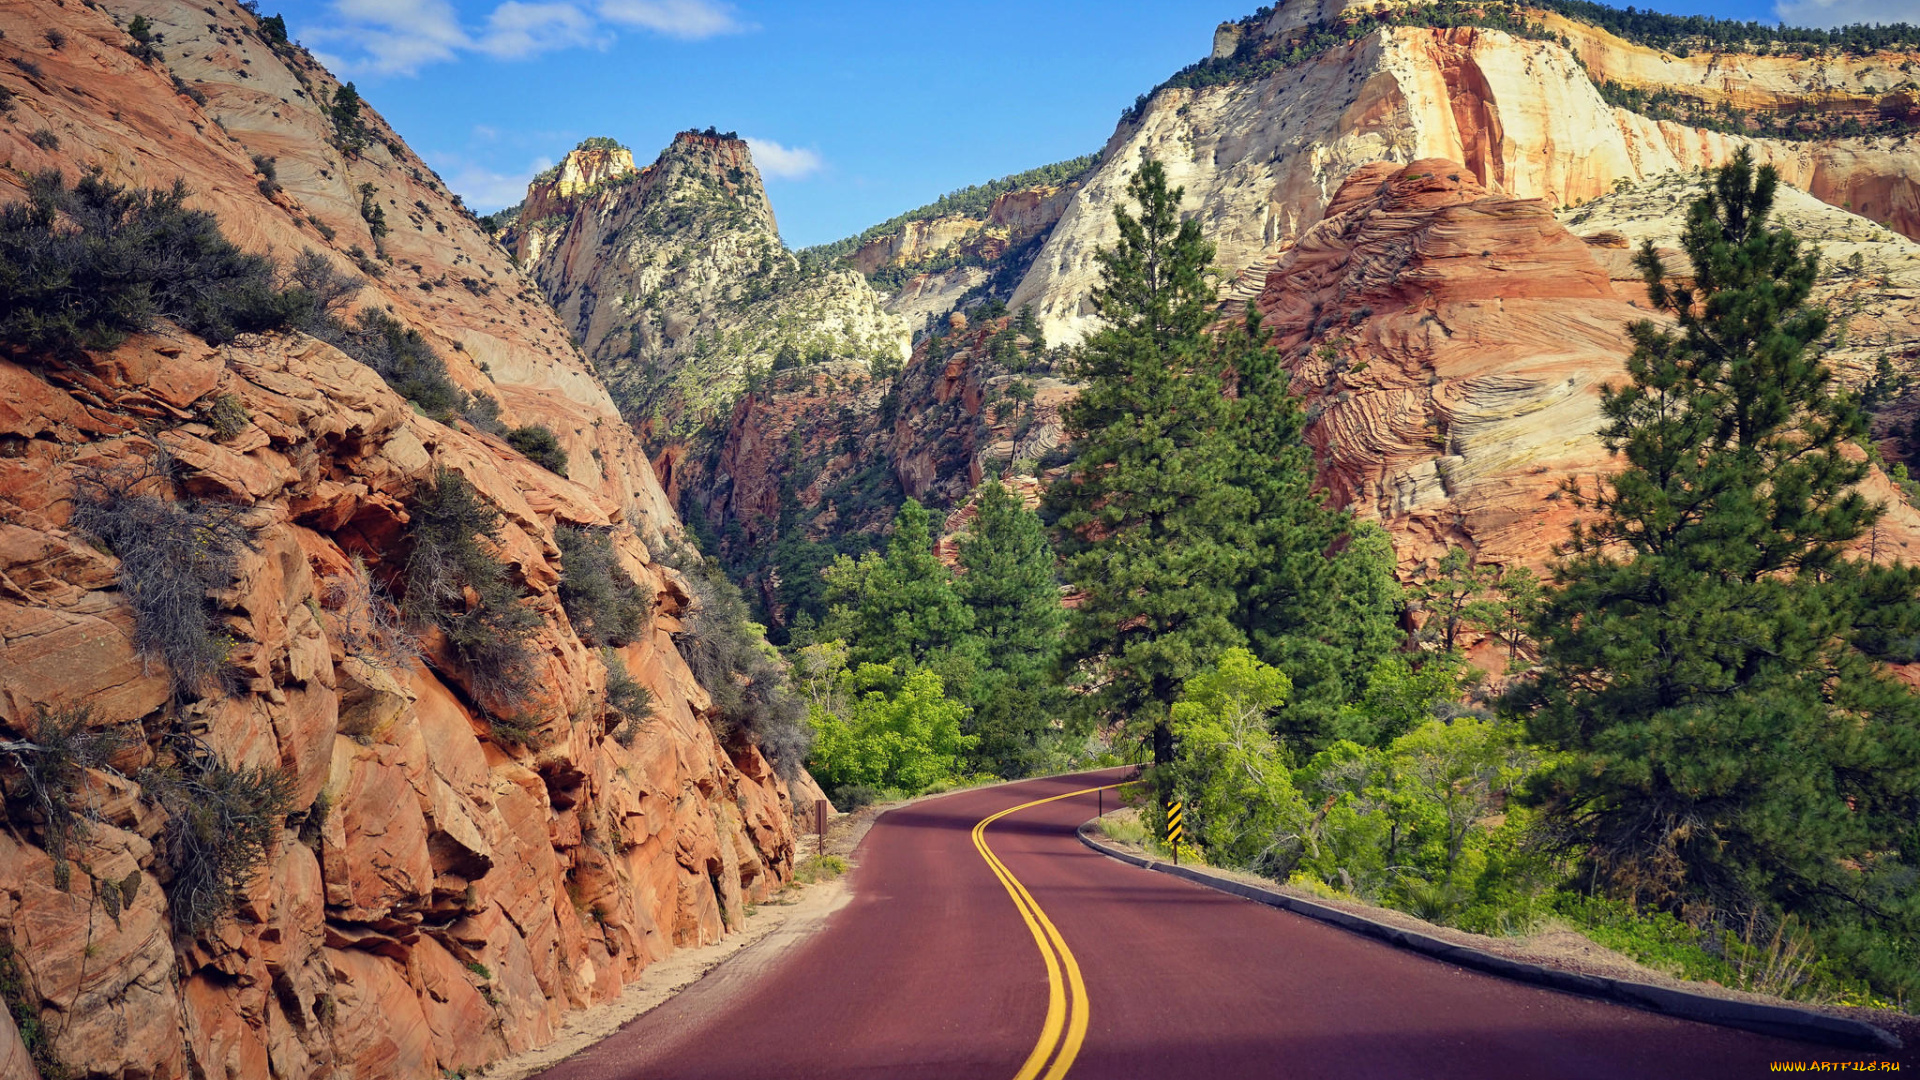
x,y
783,162
1844,12
481,188
399,37
516,30
393,37
687,19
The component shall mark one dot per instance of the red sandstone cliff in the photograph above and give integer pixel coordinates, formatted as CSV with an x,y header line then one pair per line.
x,y
464,891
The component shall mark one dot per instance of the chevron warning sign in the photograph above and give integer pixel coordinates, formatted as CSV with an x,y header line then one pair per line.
x,y
1174,811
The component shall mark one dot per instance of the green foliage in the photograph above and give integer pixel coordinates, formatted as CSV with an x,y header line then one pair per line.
x,y
221,824
631,701
1008,585
83,267
1145,522
601,600
1707,655
227,416
452,533
818,868
1316,594
889,732
350,128
541,446
1229,772
1449,594
901,606
402,357
1402,693
273,28
173,556
728,652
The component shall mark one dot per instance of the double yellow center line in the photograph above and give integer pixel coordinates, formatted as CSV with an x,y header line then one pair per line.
x,y
1066,1024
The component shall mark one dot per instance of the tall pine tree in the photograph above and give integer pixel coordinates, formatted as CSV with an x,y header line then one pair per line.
x,y
1008,584
1705,654
1148,522
1318,600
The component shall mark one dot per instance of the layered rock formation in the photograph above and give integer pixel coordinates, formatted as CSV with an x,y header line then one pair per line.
x,y
675,281
1260,156
453,891
1451,342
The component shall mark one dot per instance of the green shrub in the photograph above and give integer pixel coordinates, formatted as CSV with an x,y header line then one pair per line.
x,y
221,824
600,597
173,555
728,653
541,446
402,357
882,730
632,702
83,267
451,527
49,771
227,416
818,868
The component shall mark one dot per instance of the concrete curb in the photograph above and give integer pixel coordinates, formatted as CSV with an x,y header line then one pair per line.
x,y
1779,1020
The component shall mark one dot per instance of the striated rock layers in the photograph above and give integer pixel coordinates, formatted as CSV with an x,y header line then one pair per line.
x,y
675,281
1450,343
443,893
1261,157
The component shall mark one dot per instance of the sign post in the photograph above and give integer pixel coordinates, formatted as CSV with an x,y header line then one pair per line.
x,y
1173,830
820,824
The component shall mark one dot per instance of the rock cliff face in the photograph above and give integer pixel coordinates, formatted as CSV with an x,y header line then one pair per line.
x,y
675,281
443,893
1260,157
933,265
1450,343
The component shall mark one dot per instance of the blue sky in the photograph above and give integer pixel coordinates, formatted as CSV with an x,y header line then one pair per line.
x,y
858,110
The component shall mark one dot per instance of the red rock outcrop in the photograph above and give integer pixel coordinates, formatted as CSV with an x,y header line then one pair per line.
x,y
461,892
1450,343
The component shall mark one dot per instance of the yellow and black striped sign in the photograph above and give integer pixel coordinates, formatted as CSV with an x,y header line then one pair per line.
x,y
1173,823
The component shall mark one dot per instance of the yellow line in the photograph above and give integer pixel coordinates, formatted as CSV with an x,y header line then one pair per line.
x,y
1047,937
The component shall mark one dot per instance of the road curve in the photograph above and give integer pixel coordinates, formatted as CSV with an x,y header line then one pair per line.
x,y
937,968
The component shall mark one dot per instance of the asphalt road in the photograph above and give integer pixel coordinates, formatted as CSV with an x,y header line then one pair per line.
x,y
935,969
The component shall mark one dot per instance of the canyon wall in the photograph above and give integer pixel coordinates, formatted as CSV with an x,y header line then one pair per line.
x,y
1260,157
456,875
1450,343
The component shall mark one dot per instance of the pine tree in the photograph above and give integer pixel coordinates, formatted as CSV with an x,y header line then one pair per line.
x,y
1149,527
1705,653
1319,600
901,606
1008,585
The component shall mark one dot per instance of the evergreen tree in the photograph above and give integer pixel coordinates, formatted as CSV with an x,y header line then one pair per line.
x,y
1009,586
1319,600
1705,657
1149,527
901,606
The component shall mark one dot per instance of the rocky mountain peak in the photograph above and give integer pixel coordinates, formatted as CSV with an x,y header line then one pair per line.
x,y
594,162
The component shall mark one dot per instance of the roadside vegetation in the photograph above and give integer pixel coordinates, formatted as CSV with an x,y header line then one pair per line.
x,y
1696,753
1689,745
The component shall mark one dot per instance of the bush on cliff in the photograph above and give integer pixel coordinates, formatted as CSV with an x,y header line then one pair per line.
x,y
82,267
728,652
173,556
221,824
452,533
541,446
600,597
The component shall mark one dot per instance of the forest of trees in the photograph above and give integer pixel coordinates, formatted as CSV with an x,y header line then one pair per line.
x,y
1694,750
